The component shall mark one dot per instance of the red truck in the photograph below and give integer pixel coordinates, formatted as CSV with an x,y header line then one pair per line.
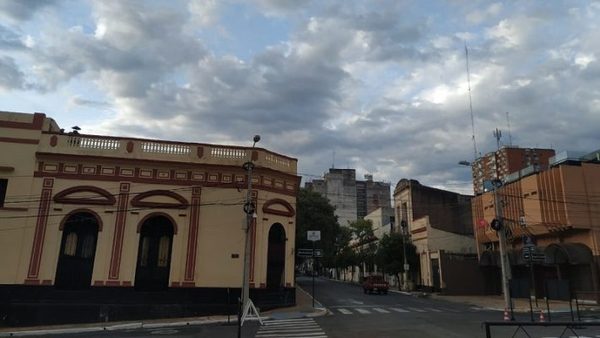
x,y
375,283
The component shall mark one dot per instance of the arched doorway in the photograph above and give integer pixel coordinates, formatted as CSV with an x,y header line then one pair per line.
x,y
77,251
276,257
154,254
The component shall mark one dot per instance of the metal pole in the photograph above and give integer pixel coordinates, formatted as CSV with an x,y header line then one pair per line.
x,y
505,266
249,209
405,272
313,274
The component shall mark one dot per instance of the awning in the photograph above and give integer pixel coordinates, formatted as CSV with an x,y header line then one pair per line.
x,y
568,253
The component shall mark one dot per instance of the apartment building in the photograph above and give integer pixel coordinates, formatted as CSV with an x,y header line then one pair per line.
x,y
353,199
505,161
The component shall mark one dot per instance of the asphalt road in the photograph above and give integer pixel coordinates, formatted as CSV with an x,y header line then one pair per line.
x,y
351,313
355,314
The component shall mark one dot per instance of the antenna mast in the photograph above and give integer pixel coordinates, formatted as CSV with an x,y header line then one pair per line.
x,y
508,124
471,104
498,136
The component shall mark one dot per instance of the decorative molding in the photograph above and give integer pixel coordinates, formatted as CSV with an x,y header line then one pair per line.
x,y
36,124
19,140
53,141
138,200
192,243
40,229
63,196
61,227
268,207
120,222
155,214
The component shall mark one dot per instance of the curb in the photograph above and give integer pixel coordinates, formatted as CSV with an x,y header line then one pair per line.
x,y
115,327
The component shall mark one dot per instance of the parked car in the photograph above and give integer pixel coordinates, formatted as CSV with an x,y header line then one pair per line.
x,y
375,283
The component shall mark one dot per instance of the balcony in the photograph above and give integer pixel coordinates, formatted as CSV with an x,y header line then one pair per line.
x,y
156,150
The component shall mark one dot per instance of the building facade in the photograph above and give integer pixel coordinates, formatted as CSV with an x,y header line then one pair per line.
x,y
352,199
507,160
556,210
155,224
438,223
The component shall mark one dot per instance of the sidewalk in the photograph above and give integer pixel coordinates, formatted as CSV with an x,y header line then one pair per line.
x,y
302,309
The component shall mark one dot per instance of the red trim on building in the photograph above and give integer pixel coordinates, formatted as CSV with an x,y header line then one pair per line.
x,y
154,214
61,227
117,247
40,229
63,196
112,283
127,283
267,207
36,124
192,244
32,282
19,140
138,200
99,283
188,284
47,282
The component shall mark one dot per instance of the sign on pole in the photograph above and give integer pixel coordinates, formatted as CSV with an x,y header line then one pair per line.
x,y
313,235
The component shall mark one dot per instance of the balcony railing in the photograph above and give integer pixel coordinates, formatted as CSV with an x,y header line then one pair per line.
x,y
163,151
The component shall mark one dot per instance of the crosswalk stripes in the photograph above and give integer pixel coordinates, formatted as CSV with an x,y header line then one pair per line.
x,y
365,310
291,328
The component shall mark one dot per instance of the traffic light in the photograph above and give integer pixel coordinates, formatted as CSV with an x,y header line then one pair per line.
x,y
496,224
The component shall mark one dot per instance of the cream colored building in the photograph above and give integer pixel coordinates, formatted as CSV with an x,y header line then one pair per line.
x,y
87,212
438,224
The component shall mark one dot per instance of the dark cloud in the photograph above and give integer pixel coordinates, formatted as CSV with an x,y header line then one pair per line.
x,y
11,76
382,84
24,10
9,39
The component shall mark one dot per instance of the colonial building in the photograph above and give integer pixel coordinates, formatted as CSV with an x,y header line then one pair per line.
x,y
556,210
439,225
111,228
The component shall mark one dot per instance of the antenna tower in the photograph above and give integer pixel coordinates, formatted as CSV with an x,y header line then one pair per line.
x,y
471,104
508,125
498,136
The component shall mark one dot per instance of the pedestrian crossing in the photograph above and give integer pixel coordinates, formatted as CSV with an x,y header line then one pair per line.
x,y
291,328
375,309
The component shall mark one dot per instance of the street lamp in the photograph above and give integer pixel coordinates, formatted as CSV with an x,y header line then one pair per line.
x,y
250,210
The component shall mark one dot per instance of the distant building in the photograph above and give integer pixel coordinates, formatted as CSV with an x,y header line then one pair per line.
x,y
352,199
127,228
438,223
557,210
505,161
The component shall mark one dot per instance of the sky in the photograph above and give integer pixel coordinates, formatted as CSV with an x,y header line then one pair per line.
x,y
379,86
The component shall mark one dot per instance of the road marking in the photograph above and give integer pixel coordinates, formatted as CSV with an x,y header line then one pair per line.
x,y
293,328
362,311
397,309
345,311
415,309
380,310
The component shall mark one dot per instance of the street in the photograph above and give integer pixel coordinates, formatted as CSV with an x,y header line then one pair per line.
x,y
351,313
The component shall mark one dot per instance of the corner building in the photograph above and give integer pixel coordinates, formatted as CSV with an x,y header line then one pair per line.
x,y
97,228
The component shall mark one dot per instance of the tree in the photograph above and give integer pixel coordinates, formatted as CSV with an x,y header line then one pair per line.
x,y
313,212
365,245
390,255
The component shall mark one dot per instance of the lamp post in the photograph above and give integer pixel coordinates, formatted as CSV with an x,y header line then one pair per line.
x,y
406,267
249,209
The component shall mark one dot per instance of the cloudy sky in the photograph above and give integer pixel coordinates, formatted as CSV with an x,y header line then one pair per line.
x,y
380,84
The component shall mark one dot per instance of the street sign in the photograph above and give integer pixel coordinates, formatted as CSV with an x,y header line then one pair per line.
x,y
406,267
309,253
313,235
530,253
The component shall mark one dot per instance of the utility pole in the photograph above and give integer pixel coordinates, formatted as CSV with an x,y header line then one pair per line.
x,y
249,209
498,225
